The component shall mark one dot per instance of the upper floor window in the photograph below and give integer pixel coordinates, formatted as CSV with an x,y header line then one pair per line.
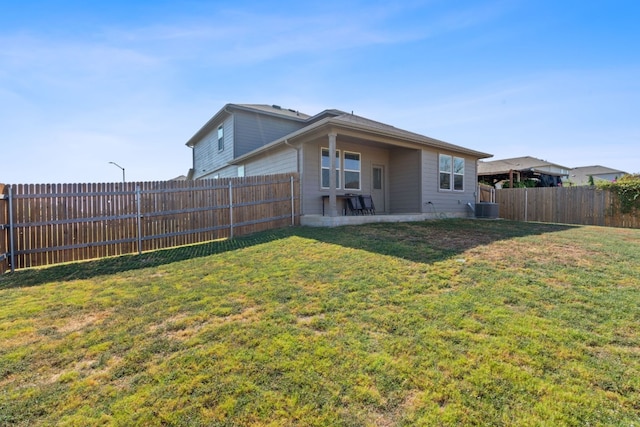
x,y
451,172
325,165
220,138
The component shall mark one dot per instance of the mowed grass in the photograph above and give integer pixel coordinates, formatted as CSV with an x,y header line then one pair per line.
x,y
453,322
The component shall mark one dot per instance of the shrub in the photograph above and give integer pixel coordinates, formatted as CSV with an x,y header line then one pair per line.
x,y
628,190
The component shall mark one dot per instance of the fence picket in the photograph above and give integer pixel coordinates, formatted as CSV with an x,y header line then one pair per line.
x,y
56,223
568,205
4,228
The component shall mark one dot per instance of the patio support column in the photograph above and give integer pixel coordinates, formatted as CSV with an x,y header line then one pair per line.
x,y
332,174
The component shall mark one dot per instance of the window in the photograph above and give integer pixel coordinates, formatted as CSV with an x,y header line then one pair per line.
x,y
325,165
220,138
451,173
377,178
241,171
445,172
458,173
351,171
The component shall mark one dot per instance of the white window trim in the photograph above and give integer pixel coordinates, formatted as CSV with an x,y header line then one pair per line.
x,y
218,137
338,169
452,173
345,170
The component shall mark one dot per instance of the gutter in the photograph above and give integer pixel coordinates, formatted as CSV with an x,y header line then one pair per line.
x,y
414,138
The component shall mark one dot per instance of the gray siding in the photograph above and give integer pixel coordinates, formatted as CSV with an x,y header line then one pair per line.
x,y
405,184
226,172
446,201
282,160
254,130
311,192
207,158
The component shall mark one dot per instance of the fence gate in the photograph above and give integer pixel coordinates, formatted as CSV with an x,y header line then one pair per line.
x,y
4,229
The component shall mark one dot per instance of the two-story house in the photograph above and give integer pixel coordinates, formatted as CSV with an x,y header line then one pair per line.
x,y
335,153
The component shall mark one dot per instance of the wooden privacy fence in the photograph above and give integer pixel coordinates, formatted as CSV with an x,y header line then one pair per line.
x,y
54,223
566,205
4,230
486,193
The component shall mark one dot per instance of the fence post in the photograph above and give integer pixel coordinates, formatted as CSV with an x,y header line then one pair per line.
x,y
139,218
293,204
526,204
4,229
230,210
12,247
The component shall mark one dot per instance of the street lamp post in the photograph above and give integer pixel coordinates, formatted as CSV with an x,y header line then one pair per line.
x,y
115,164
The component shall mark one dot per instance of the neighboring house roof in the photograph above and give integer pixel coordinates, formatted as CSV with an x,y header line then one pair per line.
x,y
373,129
580,175
521,164
273,110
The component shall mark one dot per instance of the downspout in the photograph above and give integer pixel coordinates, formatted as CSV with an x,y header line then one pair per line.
x,y
286,142
193,162
298,169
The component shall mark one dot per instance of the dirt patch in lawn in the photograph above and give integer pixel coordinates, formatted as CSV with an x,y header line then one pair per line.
x,y
82,321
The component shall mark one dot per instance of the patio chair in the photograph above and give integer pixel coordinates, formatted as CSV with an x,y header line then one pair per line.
x,y
367,204
355,206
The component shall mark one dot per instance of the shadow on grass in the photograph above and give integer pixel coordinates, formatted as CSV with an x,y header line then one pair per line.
x,y
426,242
429,241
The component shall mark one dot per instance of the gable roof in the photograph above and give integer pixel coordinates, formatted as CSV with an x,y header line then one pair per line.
x,y
271,110
526,163
372,128
596,170
581,174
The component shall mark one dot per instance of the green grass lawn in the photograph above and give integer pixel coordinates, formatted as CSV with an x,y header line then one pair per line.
x,y
453,322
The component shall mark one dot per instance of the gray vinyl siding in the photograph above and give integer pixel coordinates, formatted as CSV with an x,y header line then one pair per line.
x,y
227,172
404,185
447,201
253,130
207,158
277,161
311,191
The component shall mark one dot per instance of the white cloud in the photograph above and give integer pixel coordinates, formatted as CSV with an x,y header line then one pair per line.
x,y
144,89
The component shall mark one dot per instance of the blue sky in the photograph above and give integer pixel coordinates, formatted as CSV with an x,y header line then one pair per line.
x,y
83,83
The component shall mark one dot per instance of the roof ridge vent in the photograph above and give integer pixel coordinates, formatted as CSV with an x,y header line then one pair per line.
x,y
277,107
